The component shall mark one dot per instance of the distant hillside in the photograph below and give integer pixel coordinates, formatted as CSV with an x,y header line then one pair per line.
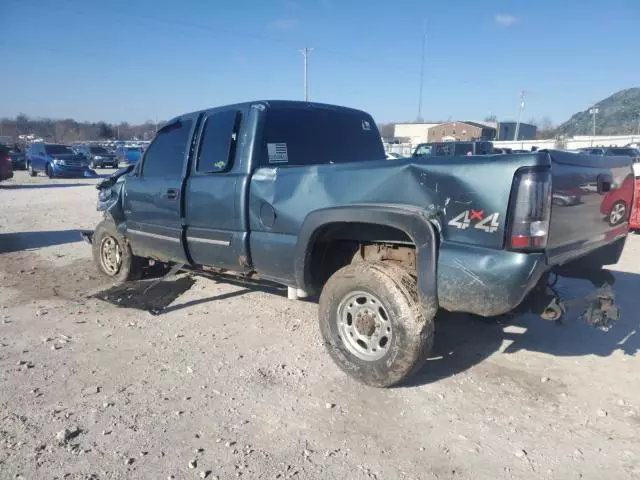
x,y
617,115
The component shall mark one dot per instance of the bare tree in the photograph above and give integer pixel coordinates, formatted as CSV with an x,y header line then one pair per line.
x,y
545,124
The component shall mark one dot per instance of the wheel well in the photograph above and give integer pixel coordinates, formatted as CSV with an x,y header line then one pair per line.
x,y
339,244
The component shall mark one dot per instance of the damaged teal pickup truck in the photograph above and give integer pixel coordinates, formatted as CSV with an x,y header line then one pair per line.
x,y
301,194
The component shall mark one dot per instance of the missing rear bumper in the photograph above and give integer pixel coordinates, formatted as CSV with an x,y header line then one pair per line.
x,y
598,308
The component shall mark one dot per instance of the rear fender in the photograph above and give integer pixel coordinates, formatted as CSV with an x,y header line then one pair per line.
x,y
412,221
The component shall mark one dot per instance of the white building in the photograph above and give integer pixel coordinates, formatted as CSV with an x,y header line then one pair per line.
x,y
414,132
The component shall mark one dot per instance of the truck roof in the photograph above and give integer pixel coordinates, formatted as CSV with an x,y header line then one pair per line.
x,y
275,104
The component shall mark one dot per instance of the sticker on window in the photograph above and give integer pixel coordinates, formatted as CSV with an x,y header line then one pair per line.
x,y
366,126
277,152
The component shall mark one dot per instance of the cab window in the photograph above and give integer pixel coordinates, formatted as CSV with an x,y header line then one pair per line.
x,y
166,155
218,142
443,149
463,149
423,151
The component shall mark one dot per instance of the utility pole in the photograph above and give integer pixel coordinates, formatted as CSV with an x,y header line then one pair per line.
x,y
305,53
517,133
594,111
424,46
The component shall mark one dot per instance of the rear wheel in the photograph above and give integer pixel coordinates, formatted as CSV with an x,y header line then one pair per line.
x,y
373,323
618,213
112,254
31,171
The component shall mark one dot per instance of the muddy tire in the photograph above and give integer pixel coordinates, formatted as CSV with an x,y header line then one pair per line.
x,y
112,254
373,324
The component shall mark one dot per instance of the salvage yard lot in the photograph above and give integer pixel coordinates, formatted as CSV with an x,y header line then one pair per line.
x,y
233,380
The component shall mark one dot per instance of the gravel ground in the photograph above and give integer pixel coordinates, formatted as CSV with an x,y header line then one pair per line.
x,y
232,380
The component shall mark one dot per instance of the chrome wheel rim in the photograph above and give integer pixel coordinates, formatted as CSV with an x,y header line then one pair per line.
x,y
364,326
110,255
617,213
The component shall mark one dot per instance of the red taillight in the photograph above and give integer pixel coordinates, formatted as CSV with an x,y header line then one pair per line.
x,y
520,241
530,210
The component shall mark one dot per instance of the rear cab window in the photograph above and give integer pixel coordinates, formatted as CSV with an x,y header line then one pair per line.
x,y
218,141
623,152
317,135
463,149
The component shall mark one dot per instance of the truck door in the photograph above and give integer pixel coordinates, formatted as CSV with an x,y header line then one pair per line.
x,y
152,196
216,194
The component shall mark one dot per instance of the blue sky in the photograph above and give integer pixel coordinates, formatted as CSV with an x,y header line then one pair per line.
x,y
145,59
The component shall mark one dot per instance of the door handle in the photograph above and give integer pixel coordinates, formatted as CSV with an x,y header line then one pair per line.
x,y
172,193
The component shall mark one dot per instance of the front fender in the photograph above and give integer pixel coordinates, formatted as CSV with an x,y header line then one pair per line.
x,y
411,220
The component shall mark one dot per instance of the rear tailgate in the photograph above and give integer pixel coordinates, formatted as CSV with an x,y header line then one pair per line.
x,y
592,198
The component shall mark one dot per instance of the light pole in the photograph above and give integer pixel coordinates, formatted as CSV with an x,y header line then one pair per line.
x,y
424,46
305,53
517,132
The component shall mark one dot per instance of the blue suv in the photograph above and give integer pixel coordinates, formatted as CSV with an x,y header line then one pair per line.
x,y
56,161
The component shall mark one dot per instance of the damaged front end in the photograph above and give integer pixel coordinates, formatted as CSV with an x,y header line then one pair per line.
x,y
109,199
109,194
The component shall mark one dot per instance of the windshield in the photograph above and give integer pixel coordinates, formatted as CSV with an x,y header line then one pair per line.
x,y
58,150
133,149
98,150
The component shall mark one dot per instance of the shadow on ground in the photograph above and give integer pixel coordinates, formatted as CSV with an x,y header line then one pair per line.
x,y
462,341
27,186
154,293
15,242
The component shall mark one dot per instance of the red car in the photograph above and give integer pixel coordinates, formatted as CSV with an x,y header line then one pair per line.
x,y
614,205
6,169
634,222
